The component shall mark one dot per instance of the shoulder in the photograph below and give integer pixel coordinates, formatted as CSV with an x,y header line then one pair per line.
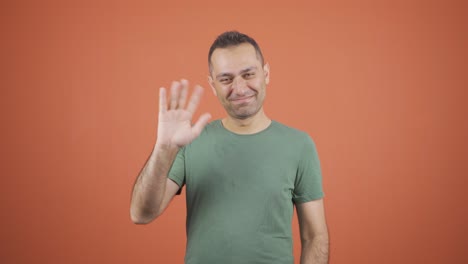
x,y
212,127
291,133
209,133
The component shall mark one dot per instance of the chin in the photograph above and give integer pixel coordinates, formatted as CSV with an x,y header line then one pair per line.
x,y
244,114
242,117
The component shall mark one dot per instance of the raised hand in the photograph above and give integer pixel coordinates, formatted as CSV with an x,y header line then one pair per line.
x,y
175,120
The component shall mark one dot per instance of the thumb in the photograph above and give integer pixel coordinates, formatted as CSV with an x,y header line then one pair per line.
x,y
200,124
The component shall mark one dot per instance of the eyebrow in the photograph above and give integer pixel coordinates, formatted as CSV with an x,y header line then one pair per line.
x,y
223,74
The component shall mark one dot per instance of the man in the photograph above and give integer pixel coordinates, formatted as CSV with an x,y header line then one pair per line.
x,y
243,174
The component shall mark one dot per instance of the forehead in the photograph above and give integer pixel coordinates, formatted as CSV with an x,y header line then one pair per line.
x,y
235,58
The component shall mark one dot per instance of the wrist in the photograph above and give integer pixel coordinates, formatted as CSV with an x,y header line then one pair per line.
x,y
165,146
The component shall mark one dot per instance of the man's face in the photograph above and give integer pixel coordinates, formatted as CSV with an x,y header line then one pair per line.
x,y
239,79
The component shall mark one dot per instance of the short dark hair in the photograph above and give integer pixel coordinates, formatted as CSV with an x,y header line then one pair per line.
x,y
233,38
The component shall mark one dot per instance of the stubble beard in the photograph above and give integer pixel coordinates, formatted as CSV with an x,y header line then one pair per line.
x,y
240,113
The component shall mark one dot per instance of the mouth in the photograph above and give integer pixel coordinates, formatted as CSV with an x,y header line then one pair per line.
x,y
242,99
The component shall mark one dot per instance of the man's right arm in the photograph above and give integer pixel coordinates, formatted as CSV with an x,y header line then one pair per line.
x,y
153,190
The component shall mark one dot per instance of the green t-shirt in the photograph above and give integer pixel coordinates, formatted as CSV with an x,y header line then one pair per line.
x,y
240,192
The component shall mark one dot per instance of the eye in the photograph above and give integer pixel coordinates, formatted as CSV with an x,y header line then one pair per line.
x,y
224,80
249,75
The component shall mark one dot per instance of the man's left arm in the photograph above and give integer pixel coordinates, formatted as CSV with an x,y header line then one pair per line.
x,y
314,232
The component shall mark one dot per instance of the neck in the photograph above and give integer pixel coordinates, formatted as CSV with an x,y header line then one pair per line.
x,y
250,125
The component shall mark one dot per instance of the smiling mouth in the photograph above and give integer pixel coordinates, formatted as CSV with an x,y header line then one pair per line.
x,y
242,99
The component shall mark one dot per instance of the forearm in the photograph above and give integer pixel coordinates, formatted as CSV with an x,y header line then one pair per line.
x,y
150,185
315,251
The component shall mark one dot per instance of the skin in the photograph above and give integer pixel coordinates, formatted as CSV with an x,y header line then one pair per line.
x,y
239,80
153,191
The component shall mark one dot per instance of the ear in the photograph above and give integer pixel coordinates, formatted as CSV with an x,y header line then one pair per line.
x,y
266,72
211,82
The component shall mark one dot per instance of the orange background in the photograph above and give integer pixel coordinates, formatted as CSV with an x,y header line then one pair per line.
x,y
380,86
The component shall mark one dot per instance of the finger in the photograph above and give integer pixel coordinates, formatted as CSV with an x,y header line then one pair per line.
x,y
195,99
200,124
175,91
183,94
162,100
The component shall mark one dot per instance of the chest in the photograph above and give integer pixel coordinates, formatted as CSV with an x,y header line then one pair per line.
x,y
241,170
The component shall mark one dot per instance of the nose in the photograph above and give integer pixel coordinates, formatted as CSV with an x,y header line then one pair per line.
x,y
239,85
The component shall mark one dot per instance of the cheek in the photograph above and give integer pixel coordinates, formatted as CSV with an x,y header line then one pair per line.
x,y
256,84
225,91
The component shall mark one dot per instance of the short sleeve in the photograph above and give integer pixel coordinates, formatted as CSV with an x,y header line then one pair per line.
x,y
177,171
308,182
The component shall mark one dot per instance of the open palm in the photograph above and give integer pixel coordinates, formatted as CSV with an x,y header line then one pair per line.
x,y
175,120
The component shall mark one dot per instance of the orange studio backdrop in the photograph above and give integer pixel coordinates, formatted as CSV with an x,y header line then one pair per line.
x,y
381,86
